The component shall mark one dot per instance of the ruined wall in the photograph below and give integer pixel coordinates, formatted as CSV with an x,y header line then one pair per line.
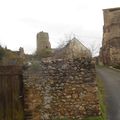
x,y
60,89
111,37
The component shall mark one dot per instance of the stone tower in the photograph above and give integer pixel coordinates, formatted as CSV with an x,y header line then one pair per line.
x,y
21,52
110,51
43,43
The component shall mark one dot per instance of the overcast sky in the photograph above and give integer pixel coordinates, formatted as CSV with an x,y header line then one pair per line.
x,y
21,20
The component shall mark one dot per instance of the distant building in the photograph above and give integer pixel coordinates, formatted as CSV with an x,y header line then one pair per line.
x,y
74,49
43,43
12,57
21,52
110,51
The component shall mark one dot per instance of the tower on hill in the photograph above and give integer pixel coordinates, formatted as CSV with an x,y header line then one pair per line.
x,y
43,44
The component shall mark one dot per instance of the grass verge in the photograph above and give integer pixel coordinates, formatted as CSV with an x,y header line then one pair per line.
x,y
101,95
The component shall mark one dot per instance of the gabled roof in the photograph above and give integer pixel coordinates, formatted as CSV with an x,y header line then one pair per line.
x,y
77,43
74,49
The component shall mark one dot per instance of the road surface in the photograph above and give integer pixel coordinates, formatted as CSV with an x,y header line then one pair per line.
x,y
111,79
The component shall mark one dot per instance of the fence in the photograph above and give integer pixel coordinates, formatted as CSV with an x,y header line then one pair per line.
x,y
11,93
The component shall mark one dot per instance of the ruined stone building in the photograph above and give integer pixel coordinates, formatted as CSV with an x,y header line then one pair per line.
x,y
74,48
50,89
43,44
9,57
110,51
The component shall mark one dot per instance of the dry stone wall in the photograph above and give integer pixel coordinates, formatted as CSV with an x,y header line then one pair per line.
x,y
60,89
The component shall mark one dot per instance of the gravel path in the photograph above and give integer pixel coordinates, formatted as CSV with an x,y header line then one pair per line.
x,y
111,79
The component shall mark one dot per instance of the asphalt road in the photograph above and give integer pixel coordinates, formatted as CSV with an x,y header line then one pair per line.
x,y
111,79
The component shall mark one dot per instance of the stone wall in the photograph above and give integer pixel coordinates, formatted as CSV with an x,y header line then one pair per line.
x,y
60,89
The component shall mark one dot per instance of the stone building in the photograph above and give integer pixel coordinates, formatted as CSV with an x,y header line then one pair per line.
x,y
73,49
43,43
21,52
110,51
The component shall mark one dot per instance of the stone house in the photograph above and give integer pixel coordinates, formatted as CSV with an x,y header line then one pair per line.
x,y
74,49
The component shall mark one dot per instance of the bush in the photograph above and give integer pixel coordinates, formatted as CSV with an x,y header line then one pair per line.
x,y
44,53
2,52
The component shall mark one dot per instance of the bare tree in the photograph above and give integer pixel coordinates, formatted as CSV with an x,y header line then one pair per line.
x,y
67,37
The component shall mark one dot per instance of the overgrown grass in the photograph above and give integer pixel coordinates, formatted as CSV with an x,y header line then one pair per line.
x,y
94,118
102,98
